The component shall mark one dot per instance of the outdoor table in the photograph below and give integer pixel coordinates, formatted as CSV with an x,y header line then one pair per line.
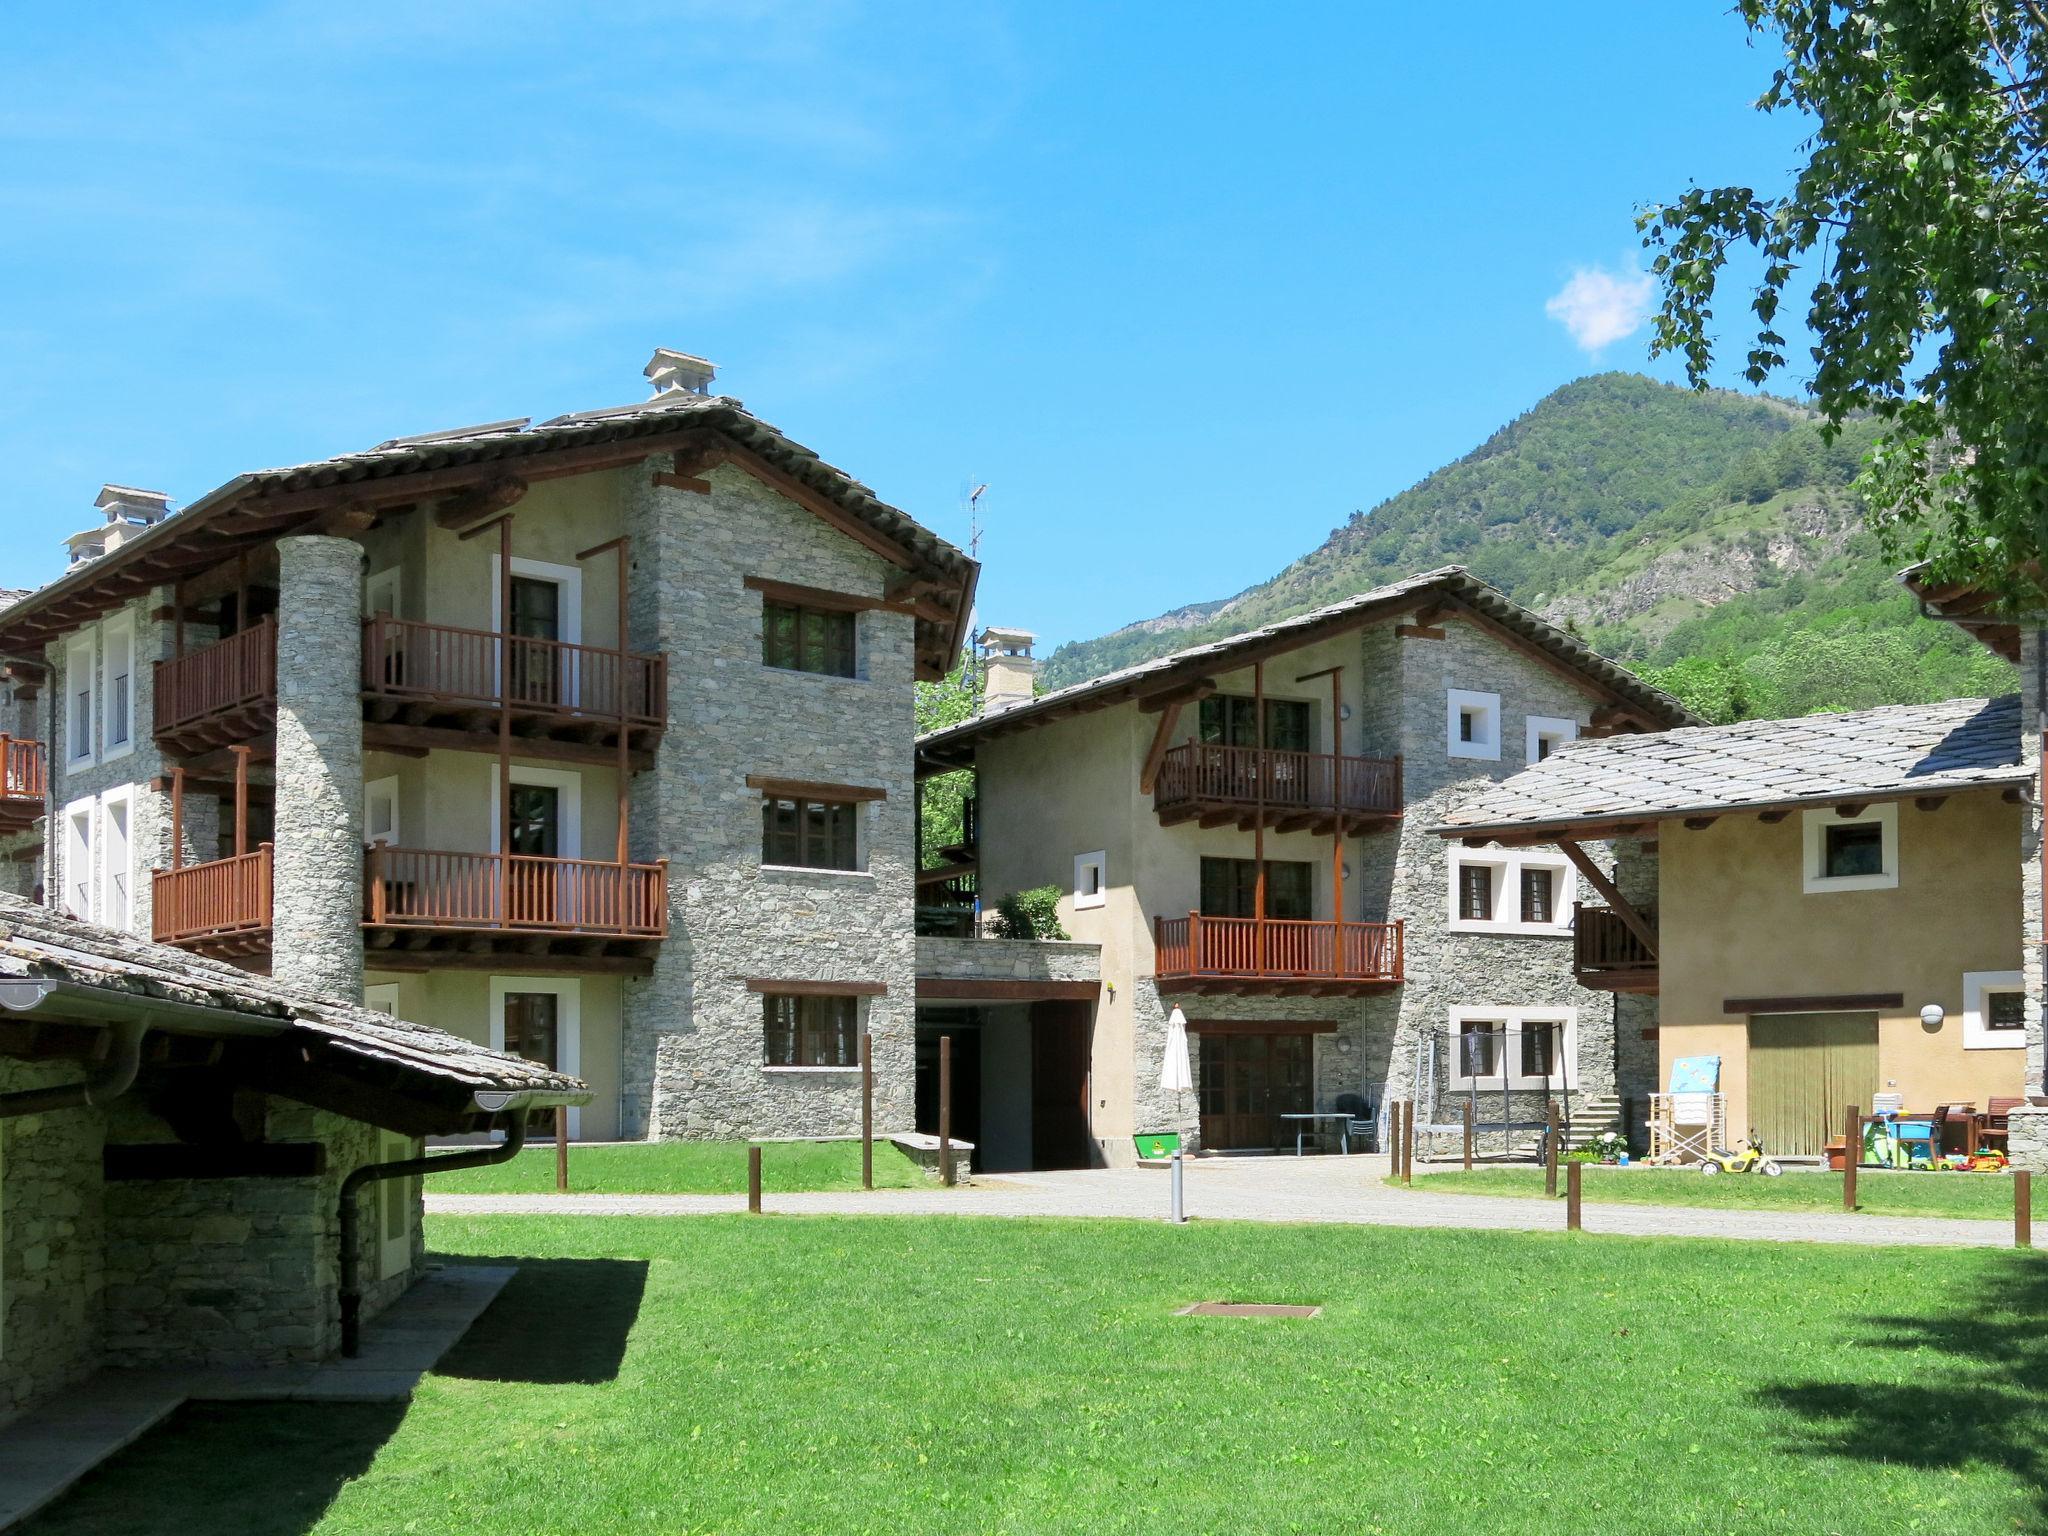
x,y
1304,1123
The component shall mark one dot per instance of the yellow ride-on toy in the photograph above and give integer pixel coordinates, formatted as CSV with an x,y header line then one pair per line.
x,y
1748,1157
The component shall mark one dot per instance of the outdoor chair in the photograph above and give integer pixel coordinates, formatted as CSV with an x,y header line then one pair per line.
x,y
1996,1132
1361,1124
1958,1121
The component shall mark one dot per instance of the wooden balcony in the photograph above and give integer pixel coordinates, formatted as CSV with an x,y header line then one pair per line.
x,y
219,695
1276,956
432,679
1285,791
425,907
24,782
220,908
1608,956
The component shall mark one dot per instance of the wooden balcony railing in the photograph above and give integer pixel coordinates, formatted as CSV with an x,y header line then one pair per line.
x,y
1608,956
1277,949
410,887
215,900
439,663
1198,774
24,769
229,676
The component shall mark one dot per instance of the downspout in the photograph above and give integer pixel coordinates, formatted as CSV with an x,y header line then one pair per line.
x,y
103,1083
351,1293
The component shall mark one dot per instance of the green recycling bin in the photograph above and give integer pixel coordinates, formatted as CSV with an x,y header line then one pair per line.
x,y
1155,1146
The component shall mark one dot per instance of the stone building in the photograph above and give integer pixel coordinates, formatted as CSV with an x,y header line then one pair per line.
x,y
174,1136
590,740
1244,829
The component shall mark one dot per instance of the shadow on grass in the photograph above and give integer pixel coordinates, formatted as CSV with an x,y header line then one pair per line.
x,y
559,1321
1981,1394
227,1469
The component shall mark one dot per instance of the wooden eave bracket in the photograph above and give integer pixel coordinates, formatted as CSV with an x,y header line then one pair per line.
x,y
468,506
1162,738
1175,697
1623,908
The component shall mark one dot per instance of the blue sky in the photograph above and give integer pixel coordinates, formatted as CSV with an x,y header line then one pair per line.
x,y
1183,285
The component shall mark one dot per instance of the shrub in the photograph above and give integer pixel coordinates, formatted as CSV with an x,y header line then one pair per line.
x,y
1033,914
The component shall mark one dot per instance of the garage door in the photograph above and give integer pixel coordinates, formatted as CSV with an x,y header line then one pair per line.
x,y
1805,1070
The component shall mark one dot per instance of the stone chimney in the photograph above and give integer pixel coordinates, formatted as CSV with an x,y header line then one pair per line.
x,y
672,372
128,511
1008,669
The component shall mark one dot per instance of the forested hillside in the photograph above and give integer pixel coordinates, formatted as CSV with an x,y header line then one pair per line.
x,y
1712,541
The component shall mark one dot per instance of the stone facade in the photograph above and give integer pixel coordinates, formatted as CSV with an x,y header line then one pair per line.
x,y
693,1043
318,900
1008,960
51,1239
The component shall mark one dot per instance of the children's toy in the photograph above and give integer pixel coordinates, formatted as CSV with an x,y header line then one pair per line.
x,y
1748,1157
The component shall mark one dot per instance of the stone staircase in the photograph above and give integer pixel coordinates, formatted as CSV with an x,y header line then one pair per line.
x,y
1591,1114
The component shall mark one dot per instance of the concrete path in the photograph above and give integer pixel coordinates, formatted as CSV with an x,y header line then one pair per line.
x,y
55,1444
1283,1189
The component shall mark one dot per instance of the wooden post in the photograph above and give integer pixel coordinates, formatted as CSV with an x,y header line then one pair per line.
x,y
241,799
867,1110
1394,1141
178,817
1851,1154
1466,1112
2022,1208
946,1110
561,1149
1337,800
1408,1142
505,724
1259,816
1571,1195
754,1180
1550,1149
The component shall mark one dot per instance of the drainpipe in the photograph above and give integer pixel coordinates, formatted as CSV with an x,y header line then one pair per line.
x,y
104,1082
405,1168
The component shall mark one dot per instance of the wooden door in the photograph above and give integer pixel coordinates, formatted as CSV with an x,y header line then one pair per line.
x,y
1060,1034
1250,1079
536,616
1805,1069
533,1031
536,833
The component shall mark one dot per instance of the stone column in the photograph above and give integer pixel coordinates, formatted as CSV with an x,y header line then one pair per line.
x,y
318,901
2029,1142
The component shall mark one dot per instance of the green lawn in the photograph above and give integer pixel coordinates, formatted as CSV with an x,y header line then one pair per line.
x,y
741,1375
685,1168
1879,1192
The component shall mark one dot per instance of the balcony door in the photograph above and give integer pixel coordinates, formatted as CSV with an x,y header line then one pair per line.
x,y
1227,722
545,823
1230,888
546,614
540,1018
1249,1079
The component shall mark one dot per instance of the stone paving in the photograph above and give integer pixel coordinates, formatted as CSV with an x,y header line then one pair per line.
x,y
1279,1189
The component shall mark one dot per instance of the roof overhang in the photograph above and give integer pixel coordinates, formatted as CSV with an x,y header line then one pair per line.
x,y
1979,613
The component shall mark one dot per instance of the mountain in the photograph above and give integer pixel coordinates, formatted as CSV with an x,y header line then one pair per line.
x,y
1712,541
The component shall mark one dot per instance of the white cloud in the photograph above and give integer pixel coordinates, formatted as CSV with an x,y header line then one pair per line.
x,y
1598,306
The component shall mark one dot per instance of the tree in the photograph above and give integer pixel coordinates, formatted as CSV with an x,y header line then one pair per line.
x,y
947,702
1922,214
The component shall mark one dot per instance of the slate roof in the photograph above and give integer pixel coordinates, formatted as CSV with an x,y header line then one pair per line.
x,y
1903,749
1453,582
37,942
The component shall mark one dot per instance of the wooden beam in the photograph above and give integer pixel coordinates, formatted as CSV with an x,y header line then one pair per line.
x,y
1700,823
351,520
1840,1002
1174,698
1162,738
413,740
828,601
668,479
1633,920
1771,818
784,987
1421,632
1851,809
806,789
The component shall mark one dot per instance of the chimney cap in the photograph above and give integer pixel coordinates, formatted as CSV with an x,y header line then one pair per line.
x,y
1011,642
128,503
670,371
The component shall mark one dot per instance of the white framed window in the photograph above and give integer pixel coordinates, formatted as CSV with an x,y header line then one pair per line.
x,y
1513,1048
1091,879
1546,733
1851,853
79,882
117,858
79,661
1994,1011
552,814
380,812
1526,891
546,1024
1472,723
117,650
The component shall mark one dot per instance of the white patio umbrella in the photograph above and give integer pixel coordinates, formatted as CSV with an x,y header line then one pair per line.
x,y
1175,1075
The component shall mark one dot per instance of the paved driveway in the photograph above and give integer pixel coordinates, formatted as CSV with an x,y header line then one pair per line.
x,y
1286,1189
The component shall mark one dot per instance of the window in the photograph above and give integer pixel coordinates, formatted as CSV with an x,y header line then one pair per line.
x,y
1511,890
1091,879
116,861
539,1018
811,1031
810,834
1994,1011
78,871
118,641
1474,725
1513,1048
380,812
78,683
547,813
806,639
1547,733
1852,853
1230,888
1229,721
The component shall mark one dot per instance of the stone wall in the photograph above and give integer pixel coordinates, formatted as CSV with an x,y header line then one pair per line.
x,y
51,1233
1008,960
693,1043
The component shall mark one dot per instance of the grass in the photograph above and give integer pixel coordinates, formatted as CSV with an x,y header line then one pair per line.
x,y
1880,1192
740,1375
686,1168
